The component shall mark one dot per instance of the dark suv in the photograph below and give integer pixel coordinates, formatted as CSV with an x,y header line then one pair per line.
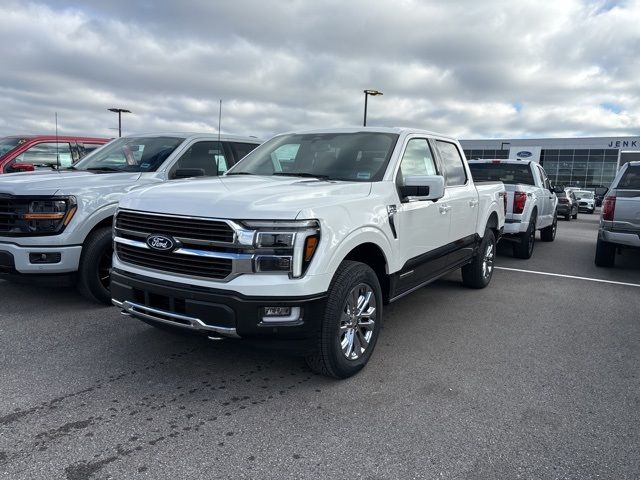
x,y
567,205
32,152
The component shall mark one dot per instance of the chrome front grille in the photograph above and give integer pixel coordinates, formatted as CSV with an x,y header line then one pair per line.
x,y
201,247
175,262
144,224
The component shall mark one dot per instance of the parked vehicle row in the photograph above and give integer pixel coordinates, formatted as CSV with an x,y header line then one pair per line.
x,y
59,223
299,245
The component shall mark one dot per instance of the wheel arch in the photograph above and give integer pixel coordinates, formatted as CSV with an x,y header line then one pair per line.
x,y
372,255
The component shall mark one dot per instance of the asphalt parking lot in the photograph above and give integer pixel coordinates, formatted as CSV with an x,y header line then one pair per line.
x,y
534,377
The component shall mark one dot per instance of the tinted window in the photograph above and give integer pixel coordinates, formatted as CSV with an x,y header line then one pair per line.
x,y
630,179
454,173
417,159
8,144
47,155
357,157
242,149
131,154
206,156
510,173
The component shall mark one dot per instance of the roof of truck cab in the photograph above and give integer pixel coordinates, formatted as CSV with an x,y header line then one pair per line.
x,y
189,135
499,160
67,138
395,130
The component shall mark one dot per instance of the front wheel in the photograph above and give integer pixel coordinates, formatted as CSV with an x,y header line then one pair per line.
x,y
478,273
351,322
548,234
94,272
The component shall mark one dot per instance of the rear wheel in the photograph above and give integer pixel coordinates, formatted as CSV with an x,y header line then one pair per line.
x,y
575,215
478,273
94,272
524,249
605,254
548,234
351,322
567,217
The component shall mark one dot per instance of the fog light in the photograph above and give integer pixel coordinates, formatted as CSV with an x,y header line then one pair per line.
x,y
281,315
273,264
277,311
45,257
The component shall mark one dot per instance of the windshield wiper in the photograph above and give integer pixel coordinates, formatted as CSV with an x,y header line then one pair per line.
x,y
302,174
240,173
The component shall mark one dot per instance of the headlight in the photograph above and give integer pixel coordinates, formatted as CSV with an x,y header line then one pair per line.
x,y
48,215
282,246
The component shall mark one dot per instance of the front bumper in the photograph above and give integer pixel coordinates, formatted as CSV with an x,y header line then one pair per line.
x,y
620,238
216,312
586,208
15,259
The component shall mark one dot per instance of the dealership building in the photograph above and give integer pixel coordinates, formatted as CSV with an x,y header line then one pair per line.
x,y
579,162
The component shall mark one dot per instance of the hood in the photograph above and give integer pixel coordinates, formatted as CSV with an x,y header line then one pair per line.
x,y
244,197
65,182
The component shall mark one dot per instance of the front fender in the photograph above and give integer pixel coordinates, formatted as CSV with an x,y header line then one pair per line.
x,y
359,237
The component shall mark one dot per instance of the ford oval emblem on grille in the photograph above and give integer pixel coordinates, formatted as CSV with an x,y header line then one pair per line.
x,y
524,154
161,243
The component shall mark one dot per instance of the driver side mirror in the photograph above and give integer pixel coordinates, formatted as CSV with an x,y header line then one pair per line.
x,y
188,173
20,167
558,189
422,187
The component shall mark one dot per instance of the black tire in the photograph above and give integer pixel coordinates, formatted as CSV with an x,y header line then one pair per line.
x,y
605,254
478,273
548,234
567,217
524,248
328,358
95,266
575,215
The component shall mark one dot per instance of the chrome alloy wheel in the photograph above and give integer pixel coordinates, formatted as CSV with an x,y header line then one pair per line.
x,y
358,321
487,261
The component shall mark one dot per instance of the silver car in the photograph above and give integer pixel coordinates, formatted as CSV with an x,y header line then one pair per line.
x,y
620,217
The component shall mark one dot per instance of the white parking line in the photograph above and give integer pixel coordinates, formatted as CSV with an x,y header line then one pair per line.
x,y
599,280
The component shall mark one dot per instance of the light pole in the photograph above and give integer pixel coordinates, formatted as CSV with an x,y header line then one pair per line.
x,y
373,93
119,111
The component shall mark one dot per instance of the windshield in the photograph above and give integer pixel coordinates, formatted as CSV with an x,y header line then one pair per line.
x,y
586,195
131,154
355,157
510,173
8,144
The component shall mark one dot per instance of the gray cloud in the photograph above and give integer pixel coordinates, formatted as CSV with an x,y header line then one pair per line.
x,y
467,68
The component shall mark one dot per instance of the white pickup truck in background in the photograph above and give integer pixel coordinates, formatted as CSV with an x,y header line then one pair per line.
x,y
303,241
531,201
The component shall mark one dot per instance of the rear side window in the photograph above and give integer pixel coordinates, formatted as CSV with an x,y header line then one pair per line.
x,y
510,173
630,179
452,164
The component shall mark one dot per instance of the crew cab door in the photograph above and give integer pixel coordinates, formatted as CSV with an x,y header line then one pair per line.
x,y
422,227
461,198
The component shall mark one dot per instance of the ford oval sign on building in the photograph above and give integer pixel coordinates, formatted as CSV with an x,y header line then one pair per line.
x,y
524,154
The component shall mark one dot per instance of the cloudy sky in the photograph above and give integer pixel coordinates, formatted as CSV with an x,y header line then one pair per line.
x,y
474,69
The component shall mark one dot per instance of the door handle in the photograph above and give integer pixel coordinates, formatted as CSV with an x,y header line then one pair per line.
x,y
444,209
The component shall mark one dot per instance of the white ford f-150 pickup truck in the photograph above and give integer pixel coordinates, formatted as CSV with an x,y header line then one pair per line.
x,y
57,225
531,201
303,241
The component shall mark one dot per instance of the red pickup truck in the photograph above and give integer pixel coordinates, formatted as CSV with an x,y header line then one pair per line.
x,y
31,152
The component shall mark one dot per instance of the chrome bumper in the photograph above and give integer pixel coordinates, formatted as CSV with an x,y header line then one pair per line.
x,y
174,319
